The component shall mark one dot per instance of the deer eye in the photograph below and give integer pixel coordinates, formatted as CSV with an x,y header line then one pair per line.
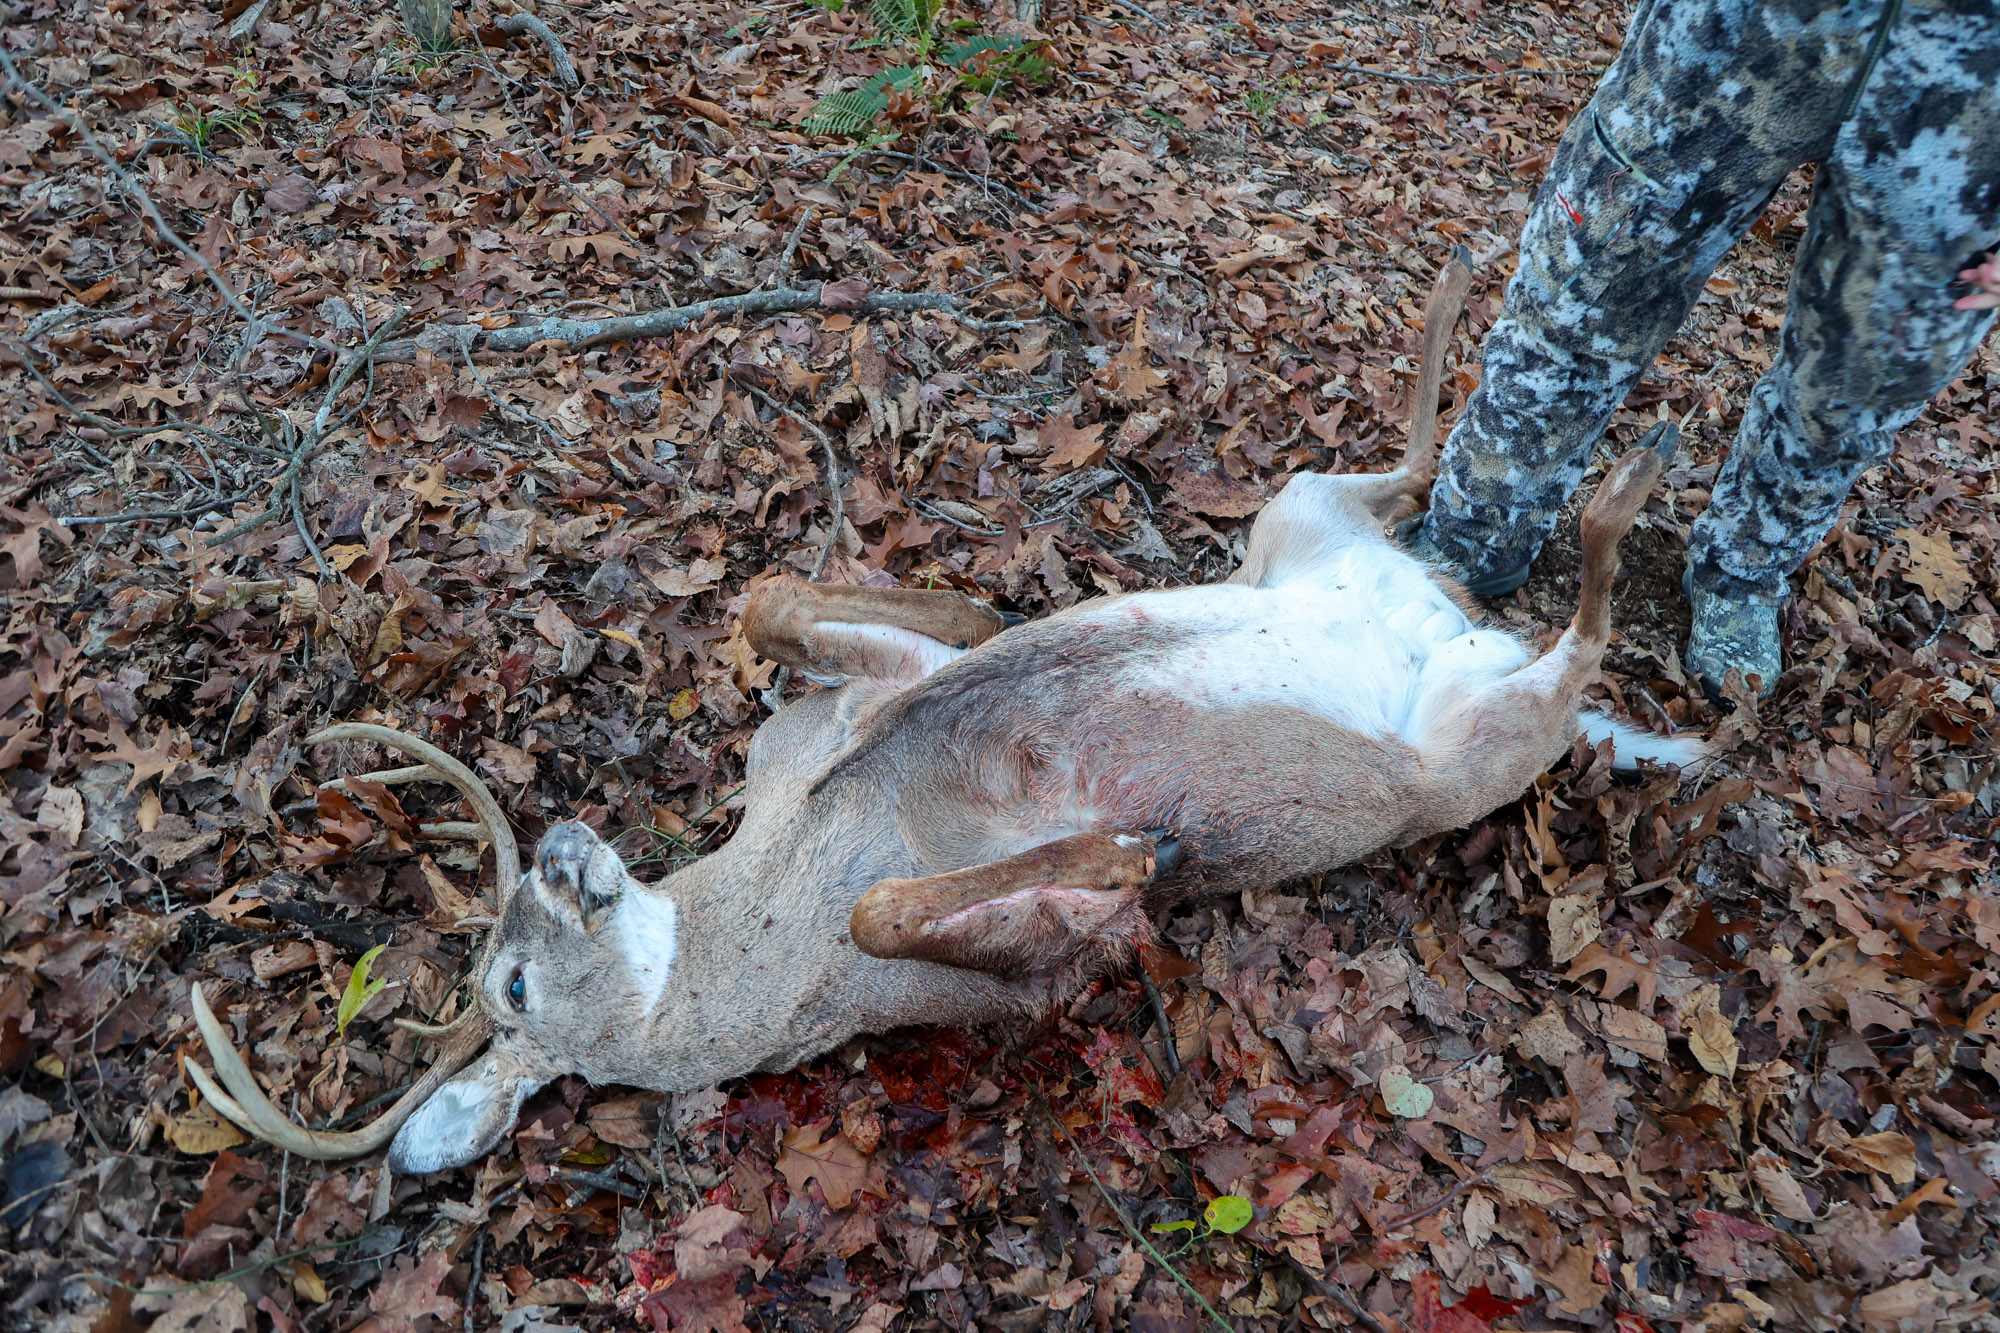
x,y
517,992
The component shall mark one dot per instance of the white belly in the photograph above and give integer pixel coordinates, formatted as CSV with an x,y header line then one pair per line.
x,y
1369,642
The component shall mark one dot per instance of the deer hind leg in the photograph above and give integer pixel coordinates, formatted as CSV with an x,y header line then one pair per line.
x,y
1484,745
832,634
1316,512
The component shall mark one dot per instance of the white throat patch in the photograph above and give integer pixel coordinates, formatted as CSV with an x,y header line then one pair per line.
x,y
649,937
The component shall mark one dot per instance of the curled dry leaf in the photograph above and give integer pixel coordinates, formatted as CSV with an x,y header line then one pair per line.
x,y
1710,1036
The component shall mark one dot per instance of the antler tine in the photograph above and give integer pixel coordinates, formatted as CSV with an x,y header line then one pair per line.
x,y
246,1104
506,856
1441,312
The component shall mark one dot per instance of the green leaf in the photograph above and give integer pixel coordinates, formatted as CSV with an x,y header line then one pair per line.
x,y
360,990
909,19
851,113
1184,1225
1404,1096
1228,1214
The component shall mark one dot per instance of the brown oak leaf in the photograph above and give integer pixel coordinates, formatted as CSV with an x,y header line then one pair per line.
x,y
839,1166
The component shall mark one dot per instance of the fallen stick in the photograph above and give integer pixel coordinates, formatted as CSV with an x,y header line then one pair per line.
x,y
581,333
565,69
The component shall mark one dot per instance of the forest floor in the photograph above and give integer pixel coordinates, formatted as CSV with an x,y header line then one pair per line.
x,y
1712,1055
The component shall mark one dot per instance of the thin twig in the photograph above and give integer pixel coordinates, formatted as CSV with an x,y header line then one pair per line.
x,y
924,164
1446,81
285,487
941,516
836,502
519,414
534,146
478,1271
1083,1159
1336,1294
149,515
606,1180
1166,1025
836,518
233,1274
783,271
1421,1213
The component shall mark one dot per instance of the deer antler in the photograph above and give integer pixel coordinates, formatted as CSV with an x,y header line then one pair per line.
x,y
1441,311
246,1104
254,1111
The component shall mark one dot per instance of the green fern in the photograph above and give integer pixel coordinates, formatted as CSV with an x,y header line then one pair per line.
x,y
989,62
968,52
982,61
911,20
855,111
852,113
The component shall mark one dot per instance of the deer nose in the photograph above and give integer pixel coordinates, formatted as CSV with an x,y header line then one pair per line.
x,y
564,853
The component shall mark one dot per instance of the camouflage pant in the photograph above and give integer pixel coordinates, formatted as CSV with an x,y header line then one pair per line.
x,y
1711,104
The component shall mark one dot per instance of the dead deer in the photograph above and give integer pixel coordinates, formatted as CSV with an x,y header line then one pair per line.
x,y
963,825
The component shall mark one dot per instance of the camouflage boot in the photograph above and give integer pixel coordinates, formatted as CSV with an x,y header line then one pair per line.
x,y
1740,633
1507,575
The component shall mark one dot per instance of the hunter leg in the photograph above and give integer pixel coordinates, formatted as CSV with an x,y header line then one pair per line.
x,y
1871,331
1651,186
832,633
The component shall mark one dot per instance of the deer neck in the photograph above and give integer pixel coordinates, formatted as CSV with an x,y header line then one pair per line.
x,y
763,968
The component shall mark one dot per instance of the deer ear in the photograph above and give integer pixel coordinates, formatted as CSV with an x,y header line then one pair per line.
x,y
465,1118
1029,914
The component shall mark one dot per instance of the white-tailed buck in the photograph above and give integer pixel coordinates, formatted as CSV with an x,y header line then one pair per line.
x,y
963,825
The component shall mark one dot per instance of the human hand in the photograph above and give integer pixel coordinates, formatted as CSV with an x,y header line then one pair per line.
x,y
1986,279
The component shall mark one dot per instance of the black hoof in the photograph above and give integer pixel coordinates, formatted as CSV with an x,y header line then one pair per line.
x,y
1166,851
1664,440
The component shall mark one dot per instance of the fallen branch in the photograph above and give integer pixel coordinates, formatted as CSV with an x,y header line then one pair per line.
x,y
783,272
1338,1294
836,504
534,422
835,500
565,69
150,515
1480,1179
534,147
581,333
246,22
285,486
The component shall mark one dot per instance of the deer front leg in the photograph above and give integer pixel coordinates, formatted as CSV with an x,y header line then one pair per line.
x,y
832,633
1027,915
